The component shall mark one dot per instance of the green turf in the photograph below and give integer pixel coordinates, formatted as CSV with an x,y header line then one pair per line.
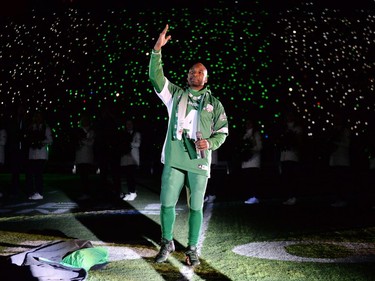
x,y
321,250
319,233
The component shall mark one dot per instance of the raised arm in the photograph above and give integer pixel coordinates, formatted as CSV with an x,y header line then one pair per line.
x,y
155,68
163,39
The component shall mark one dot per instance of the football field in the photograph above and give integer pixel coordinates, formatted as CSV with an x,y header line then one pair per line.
x,y
267,241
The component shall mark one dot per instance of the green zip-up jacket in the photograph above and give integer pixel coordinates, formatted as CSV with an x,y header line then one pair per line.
x,y
204,113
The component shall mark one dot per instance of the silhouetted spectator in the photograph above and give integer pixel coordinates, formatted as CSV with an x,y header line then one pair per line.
x,y
39,137
107,151
130,158
290,146
16,148
84,137
251,148
3,140
340,174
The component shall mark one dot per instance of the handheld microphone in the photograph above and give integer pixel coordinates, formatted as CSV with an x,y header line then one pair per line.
x,y
199,137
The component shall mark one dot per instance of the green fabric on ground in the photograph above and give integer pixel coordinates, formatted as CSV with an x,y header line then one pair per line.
x,y
86,258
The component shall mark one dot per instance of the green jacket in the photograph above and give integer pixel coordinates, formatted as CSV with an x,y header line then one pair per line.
x,y
202,109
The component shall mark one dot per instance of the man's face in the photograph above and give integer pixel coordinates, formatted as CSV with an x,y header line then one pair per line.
x,y
197,76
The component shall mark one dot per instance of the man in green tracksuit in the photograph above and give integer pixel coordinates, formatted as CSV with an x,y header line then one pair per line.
x,y
197,126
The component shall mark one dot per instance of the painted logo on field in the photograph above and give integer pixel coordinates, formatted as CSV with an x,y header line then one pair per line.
x,y
276,250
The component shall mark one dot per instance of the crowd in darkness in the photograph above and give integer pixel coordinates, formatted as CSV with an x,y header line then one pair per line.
x,y
337,163
263,62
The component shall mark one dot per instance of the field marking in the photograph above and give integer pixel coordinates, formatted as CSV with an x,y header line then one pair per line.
x,y
275,250
271,250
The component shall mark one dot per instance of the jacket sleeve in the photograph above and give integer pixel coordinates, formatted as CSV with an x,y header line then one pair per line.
x,y
156,73
220,127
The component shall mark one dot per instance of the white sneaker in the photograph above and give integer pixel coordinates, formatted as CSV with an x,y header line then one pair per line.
x,y
252,200
130,196
36,196
291,201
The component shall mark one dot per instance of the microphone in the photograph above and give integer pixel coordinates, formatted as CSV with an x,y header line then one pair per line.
x,y
199,137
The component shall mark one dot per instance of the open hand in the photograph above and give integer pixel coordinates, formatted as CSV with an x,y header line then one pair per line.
x,y
163,39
